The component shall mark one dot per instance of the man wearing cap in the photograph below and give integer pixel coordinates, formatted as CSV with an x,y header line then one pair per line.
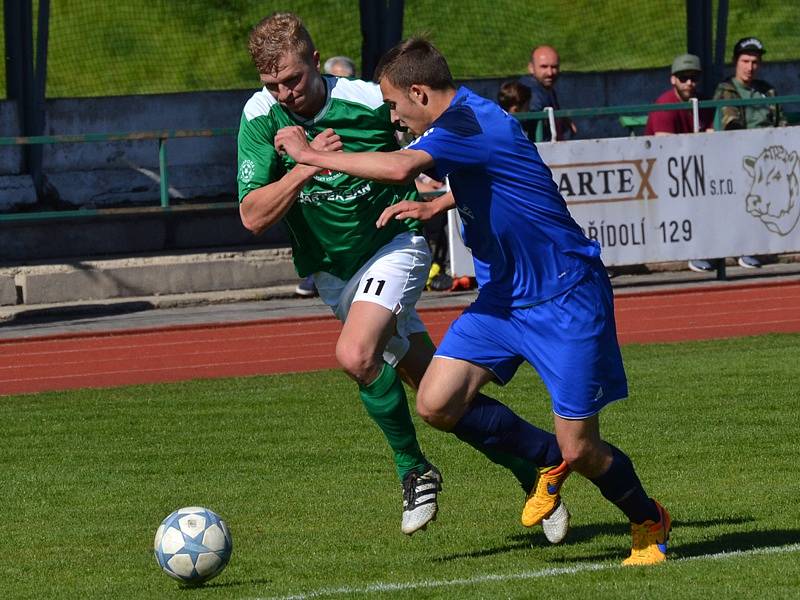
x,y
685,75
747,54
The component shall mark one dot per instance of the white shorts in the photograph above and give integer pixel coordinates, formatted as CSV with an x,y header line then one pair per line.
x,y
393,278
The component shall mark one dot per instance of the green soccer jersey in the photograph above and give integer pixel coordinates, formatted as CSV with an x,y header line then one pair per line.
x,y
332,223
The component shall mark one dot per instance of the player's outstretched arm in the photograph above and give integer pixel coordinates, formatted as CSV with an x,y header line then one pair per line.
x,y
411,209
265,206
401,166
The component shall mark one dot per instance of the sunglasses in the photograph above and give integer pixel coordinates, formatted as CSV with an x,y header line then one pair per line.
x,y
684,77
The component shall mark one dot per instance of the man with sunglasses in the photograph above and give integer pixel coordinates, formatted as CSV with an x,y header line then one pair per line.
x,y
686,72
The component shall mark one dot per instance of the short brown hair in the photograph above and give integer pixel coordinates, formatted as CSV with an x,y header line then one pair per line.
x,y
415,61
514,94
276,35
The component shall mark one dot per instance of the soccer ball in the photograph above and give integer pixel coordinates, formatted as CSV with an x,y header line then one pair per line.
x,y
193,545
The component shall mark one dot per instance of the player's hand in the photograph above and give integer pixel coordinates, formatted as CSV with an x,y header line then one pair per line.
x,y
292,141
426,184
327,141
406,209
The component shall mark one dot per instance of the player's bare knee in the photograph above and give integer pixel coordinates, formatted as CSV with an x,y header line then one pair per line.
x,y
583,459
426,410
434,411
577,462
435,418
357,363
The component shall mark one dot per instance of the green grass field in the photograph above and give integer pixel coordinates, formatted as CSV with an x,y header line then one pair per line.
x,y
153,46
307,488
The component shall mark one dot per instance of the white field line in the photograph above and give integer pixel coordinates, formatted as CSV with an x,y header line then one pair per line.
x,y
478,579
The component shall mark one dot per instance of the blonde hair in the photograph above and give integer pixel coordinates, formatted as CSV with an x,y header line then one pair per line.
x,y
275,36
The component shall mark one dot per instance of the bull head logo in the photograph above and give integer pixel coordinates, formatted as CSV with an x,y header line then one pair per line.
x,y
774,195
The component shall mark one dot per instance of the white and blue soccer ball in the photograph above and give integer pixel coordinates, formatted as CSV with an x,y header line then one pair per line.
x,y
193,545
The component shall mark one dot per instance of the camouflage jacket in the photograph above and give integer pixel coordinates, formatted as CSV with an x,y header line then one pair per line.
x,y
748,117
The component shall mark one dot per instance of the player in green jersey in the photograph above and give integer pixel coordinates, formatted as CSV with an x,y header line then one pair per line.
x,y
370,276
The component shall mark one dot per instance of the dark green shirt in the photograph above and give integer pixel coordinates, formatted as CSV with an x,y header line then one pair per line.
x,y
332,223
748,117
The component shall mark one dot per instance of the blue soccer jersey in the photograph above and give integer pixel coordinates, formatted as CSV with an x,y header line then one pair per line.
x,y
526,246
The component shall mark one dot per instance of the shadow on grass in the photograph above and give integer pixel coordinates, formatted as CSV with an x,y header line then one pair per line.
x,y
220,585
535,538
729,542
741,541
737,541
744,541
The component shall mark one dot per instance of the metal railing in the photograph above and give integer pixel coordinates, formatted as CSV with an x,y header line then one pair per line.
x,y
164,135
634,109
161,135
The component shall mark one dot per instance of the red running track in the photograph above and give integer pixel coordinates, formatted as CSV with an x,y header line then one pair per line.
x,y
180,353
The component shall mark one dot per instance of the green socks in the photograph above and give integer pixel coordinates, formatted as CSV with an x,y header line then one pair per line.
x,y
386,402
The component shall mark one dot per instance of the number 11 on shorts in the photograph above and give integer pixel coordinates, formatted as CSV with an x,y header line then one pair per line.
x,y
378,287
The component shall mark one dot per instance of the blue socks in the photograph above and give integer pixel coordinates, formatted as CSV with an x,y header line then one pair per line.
x,y
506,439
621,486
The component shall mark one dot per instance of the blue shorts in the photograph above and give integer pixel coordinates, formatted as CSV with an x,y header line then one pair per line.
x,y
571,341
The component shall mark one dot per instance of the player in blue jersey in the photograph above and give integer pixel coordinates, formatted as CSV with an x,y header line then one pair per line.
x,y
371,278
544,294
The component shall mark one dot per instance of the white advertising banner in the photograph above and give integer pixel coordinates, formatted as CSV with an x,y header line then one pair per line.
x,y
676,197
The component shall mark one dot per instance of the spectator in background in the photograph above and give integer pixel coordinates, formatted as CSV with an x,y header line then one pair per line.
x,y
339,66
747,55
514,97
544,68
686,72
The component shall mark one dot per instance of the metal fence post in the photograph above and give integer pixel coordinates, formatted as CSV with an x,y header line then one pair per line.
x,y
695,115
551,120
539,131
163,173
722,274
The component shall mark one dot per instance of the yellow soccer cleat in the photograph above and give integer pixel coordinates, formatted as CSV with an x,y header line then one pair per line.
x,y
650,540
545,497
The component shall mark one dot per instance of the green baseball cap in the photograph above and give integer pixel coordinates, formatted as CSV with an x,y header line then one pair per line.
x,y
686,62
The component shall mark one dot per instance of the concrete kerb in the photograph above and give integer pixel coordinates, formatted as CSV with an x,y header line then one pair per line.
x,y
100,280
209,278
8,290
116,306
